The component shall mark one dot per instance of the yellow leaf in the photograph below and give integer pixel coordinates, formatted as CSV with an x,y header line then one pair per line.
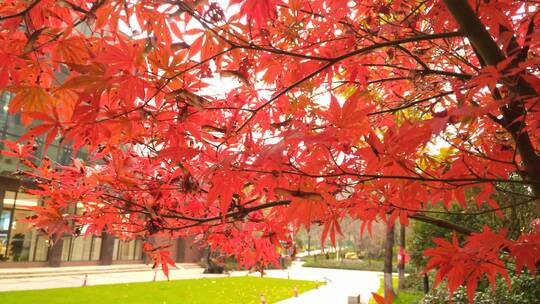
x,y
31,99
65,103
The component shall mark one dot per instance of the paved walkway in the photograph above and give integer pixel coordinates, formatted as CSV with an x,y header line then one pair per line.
x,y
340,283
77,280
44,270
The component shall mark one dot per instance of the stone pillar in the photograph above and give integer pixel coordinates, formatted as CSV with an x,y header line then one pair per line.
x,y
181,251
107,248
54,256
192,252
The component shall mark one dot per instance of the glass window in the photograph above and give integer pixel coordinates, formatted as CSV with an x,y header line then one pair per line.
x,y
20,243
5,219
42,248
138,250
127,250
96,249
81,248
9,200
66,248
19,239
25,200
115,249
12,128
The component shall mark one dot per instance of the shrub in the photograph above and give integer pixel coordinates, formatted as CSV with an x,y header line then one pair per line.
x,y
525,290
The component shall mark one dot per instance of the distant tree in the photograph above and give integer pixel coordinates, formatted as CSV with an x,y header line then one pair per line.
x,y
389,292
401,258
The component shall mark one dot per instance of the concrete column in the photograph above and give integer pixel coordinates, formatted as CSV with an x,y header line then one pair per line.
x,y
181,251
54,256
192,252
107,248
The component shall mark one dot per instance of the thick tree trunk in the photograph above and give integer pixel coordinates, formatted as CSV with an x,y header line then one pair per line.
x,y
491,54
401,263
388,288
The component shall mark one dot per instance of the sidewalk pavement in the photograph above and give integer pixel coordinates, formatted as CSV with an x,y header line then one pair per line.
x,y
340,284
77,280
37,270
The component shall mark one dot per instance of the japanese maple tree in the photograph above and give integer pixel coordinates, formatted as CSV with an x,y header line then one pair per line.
x,y
240,121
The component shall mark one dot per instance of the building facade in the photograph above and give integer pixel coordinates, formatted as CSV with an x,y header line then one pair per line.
x,y
21,246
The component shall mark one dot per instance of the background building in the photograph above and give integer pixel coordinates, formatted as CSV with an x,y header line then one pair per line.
x,y
21,246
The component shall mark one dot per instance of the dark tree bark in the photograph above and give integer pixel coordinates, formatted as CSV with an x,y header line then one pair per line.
x,y
442,223
388,288
426,283
513,114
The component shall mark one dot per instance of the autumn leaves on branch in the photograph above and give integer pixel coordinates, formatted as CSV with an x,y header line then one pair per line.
x,y
244,122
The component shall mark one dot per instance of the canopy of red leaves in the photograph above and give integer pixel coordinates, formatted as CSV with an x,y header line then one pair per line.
x,y
241,123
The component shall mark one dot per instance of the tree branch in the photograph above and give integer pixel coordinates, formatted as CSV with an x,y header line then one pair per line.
x,y
343,57
514,113
21,13
442,223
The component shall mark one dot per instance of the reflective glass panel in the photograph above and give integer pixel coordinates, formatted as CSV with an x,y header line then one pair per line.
x,y
5,219
81,247
23,240
96,249
66,248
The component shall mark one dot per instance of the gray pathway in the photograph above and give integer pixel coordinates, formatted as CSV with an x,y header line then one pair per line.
x,y
77,280
340,284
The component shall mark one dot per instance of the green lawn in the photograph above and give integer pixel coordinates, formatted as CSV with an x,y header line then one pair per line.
x,y
360,264
373,265
237,290
404,297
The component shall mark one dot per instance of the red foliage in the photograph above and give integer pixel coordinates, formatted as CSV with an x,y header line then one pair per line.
x,y
468,264
240,124
382,300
